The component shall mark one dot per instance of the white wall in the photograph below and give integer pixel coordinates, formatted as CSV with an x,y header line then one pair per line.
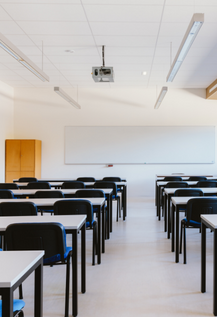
x,y
6,122
42,114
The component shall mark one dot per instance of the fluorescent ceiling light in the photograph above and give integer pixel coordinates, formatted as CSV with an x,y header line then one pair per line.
x,y
160,97
22,58
64,95
190,35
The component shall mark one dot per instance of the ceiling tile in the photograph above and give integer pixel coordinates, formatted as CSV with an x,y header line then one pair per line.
x,y
45,12
54,28
126,13
124,29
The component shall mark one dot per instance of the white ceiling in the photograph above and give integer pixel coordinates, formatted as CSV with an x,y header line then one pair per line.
x,y
137,35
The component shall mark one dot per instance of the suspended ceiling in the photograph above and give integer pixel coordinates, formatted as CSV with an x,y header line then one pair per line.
x,y
139,35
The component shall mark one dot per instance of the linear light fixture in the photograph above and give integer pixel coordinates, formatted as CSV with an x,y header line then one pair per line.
x,y
190,35
64,95
21,58
160,97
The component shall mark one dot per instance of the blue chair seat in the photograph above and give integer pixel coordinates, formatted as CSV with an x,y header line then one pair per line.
x,y
193,223
18,305
57,257
88,223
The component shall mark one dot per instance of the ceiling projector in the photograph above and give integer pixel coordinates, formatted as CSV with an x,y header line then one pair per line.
x,y
103,74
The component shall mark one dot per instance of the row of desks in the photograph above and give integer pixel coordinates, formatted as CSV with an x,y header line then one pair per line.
x,y
172,224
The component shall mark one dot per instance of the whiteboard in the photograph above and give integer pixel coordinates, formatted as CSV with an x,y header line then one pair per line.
x,y
140,145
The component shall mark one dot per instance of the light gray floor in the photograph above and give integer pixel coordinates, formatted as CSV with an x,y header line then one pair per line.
x,y
138,276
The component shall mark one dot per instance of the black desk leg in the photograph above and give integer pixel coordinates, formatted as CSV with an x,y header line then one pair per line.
x,y
111,209
103,228
165,214
156,193
173,228
203,257
215,274
99,238
38,306
83,259
177,234
125,202
169,217
7,302
108,217
74,274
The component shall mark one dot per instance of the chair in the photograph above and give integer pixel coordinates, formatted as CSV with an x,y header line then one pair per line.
x,y
91,193
10,209
188,192
8,186
79,207
176,185
6,193
72,185
109,184
172,179
197,178
196,207
207,183
16,208
50,237
48,194
38,185
18,305
27,179
86,179
112,179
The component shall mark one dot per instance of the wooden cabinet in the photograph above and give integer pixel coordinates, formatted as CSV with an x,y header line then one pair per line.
x,y
22,159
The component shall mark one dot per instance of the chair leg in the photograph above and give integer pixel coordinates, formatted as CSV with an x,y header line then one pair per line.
x,y
184,236
180,249
67,287
119,205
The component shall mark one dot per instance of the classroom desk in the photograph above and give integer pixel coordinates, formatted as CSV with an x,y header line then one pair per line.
x,y
108,193
122,185
169,192
160,186
184,177
96,202
177,203
22,264
72,224
209,221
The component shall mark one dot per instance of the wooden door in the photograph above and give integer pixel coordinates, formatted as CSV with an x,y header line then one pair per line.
x,y
12,155
27,160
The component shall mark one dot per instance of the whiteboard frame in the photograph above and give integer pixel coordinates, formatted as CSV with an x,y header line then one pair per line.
x,y
199,141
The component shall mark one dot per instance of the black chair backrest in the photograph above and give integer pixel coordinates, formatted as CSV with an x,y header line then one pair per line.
x,y
8,186
188,192
49,194
198,206
106,184
207,183
172,179
73,184
86,179
85,193
112,179
176,185
50,237
39,185
197,178
6,193
74,207
27,179
18,209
